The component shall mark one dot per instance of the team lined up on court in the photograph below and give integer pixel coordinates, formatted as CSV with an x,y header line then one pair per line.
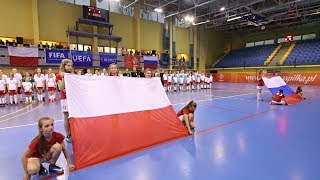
x,y
17,88
13,86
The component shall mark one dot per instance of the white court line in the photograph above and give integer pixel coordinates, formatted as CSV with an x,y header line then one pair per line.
x,y
218,96
224,97
25,125
171,104
203,94
245,99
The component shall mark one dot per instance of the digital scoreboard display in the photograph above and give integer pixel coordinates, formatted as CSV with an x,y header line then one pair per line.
x,y
94,13
288,38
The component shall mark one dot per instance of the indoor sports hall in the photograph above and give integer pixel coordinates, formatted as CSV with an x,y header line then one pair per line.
x,y
158,89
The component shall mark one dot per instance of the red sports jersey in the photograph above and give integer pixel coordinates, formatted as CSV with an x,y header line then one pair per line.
x,y
184,111
260,81
278,97
34,145
62,93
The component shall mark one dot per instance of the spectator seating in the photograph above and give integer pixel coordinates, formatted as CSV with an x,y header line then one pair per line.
x,y
304,53
249,57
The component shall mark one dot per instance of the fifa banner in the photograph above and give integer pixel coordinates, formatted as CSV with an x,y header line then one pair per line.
x,y
107,58
301,78
55,56
101,131
82,58
150,62
131,61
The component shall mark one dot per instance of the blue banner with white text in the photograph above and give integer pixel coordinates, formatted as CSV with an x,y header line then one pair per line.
x,y
107,58
55,56
82,58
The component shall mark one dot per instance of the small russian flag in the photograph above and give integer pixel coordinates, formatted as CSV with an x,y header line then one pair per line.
x,y
150,62
274,84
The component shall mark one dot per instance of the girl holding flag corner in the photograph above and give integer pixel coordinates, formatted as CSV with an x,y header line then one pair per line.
x,y
187,113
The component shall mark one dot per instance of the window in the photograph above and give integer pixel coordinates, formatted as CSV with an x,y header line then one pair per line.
x,y
113,50
115,7
73,47
280,40
128,11
296,38
259,43
144,14
80,47
106,49
309,36
77,2
179,23
161,18
250,44
102,4
85,47
110,50
100,49
153,16
68,1
82,2
270,41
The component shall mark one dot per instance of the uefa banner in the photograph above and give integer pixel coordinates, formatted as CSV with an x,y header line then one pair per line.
x,y
289,78
82,58
131,61
55,56
107,58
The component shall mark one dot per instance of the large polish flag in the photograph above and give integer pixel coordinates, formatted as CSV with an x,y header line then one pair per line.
x,y
23,56
113,116
276,83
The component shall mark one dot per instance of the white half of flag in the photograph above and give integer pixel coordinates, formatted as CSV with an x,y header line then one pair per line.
x,y
23,51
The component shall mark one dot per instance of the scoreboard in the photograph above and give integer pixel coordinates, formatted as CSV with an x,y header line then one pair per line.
x,y
289,38
94,13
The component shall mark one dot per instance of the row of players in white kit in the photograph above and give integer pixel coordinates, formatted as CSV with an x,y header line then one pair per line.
x,y
13,87
187,82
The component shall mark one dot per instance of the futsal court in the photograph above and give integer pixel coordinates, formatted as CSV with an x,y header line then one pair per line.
x,y
236,137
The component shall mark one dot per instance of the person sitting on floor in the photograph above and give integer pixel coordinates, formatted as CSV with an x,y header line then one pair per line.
x,y
299,92
187,114
279,98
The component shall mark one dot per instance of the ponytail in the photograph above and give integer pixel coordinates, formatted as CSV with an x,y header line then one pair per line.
x,y
42,141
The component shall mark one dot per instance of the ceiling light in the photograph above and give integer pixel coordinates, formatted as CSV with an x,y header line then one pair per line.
x,y
189,18
235,18
196,24
158,10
